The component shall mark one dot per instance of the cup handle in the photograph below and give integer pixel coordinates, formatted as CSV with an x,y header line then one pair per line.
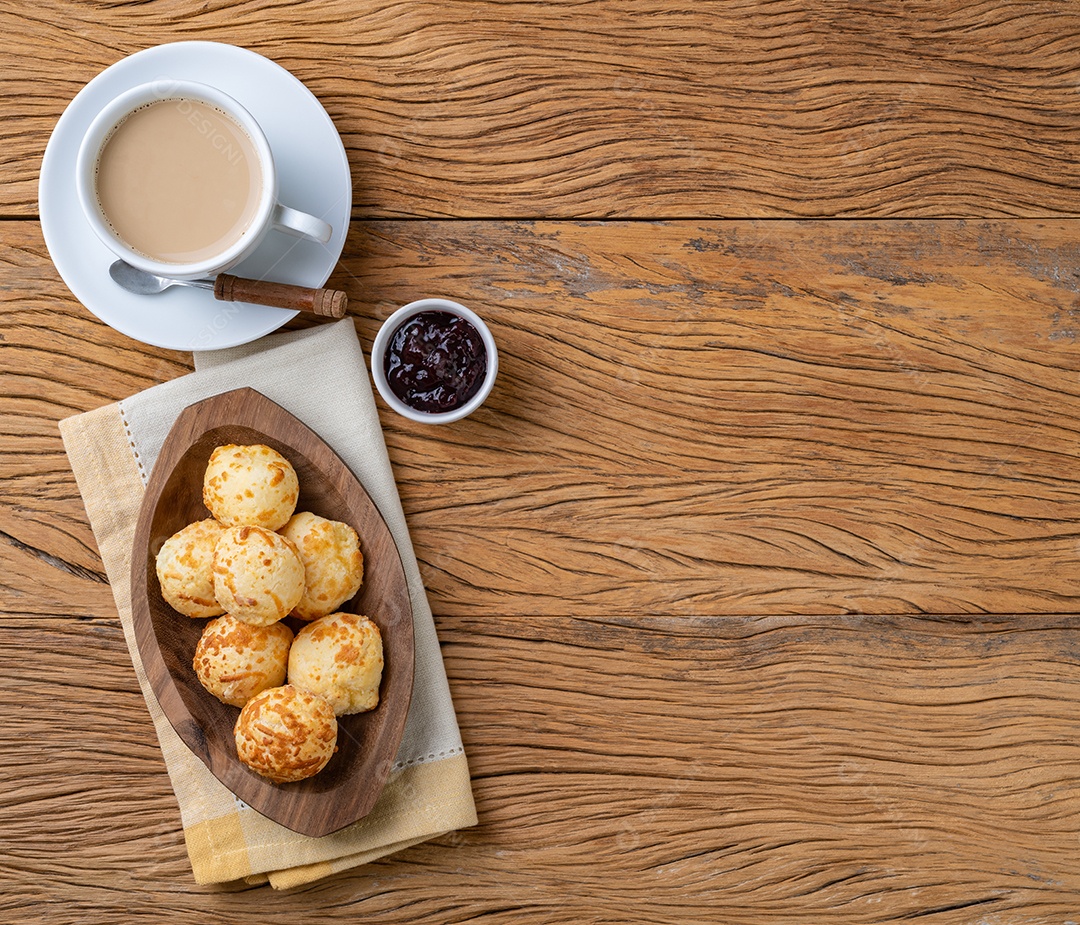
x,y
300,224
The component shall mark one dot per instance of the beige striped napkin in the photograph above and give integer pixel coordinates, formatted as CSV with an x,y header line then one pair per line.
x,y
318,375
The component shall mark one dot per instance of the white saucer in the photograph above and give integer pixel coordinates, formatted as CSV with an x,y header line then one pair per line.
x,y
313,174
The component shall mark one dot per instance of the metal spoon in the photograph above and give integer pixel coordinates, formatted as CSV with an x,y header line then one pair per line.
x,y
330,303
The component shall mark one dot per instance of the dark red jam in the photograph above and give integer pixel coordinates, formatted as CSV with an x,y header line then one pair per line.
x,y
435,361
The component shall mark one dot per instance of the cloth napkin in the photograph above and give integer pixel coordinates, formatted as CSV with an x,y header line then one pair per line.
x,y
319,376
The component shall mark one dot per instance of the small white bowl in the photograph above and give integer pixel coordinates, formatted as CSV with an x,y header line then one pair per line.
x,y
382,341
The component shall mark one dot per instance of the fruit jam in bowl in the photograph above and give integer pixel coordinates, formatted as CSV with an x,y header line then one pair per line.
x,y
434,361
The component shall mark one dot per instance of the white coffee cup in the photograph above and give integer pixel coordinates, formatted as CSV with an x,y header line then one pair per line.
x,y
195,105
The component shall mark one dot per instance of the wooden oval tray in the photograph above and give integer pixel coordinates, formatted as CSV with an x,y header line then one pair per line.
x,y
348,787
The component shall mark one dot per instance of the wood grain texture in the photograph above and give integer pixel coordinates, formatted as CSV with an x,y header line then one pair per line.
x,y
597,108
56,360
711,418
747,417
852,770
717,423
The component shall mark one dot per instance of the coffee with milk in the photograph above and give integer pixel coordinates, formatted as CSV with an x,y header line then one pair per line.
x,y
179,181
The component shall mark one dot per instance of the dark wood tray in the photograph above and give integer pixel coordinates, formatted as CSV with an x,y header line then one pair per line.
x,y
348,787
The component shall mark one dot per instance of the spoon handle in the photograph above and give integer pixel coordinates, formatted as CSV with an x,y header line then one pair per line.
x,y
330,303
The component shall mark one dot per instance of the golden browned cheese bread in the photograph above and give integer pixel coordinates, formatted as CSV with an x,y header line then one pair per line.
x,y
235,661
185,569
258,575
339,657
286,734
333,563
250,484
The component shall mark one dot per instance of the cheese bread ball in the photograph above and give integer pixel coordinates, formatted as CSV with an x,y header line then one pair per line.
x,y
333,563
286,734
250,484
258,575
185,569
235,661
339,657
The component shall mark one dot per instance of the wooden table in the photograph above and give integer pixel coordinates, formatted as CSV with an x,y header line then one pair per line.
x,y
756,578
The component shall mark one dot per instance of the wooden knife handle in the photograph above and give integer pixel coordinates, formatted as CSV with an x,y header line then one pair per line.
x,y
330,303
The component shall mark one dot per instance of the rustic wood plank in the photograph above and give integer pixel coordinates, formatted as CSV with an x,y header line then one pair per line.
x,y
824,418
747,417
56,360
666,770
688,662
663,765
483,108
